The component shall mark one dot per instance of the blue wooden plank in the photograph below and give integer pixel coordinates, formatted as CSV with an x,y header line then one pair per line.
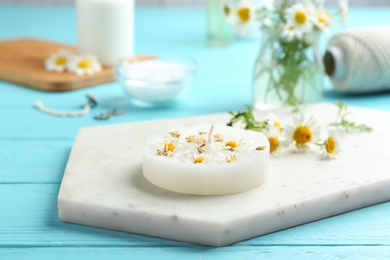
x,y
33,161
227,253
29,218
38,21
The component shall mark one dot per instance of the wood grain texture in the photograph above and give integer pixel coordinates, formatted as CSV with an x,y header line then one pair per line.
x,y
22,62
30,211
34,148
180,253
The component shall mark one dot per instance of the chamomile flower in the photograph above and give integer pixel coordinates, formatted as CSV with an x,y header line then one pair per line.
x,y
170,145
58,61
242,17
298,19
291,32
232,145
84,64
331,145
322,20
302,132
274,138
196,157
273,122
166,150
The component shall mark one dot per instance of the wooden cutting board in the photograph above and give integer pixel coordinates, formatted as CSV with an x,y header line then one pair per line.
x,y
22,62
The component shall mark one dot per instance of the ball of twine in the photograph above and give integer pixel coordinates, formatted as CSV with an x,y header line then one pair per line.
x,y
358,60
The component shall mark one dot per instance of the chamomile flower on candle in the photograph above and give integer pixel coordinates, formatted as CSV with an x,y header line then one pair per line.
x,y
84,64
302,132
232,145
331,146
298,19
170,145
274,136
58,61
166,150
196,157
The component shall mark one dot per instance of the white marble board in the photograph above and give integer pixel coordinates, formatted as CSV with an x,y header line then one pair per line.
x,y
103,185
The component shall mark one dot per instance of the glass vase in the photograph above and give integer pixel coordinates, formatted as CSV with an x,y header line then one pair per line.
x,y
219,31
287,73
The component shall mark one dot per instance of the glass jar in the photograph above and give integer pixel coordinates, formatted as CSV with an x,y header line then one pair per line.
x,y
287,73
219,31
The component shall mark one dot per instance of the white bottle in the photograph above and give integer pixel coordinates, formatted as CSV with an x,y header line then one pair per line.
x,y
106,28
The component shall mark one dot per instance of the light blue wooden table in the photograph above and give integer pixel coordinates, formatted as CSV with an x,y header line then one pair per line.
x,y
34,147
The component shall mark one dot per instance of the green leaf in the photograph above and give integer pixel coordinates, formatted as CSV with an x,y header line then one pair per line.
x,y
342,122
247,118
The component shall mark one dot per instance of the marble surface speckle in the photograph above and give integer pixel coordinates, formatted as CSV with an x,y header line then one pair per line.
x,y
103,185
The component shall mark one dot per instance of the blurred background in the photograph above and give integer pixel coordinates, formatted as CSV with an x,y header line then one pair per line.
x,y
189,3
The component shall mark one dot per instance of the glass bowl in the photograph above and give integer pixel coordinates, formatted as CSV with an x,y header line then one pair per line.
x,y
155,81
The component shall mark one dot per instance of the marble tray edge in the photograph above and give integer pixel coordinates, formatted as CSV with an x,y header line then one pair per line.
x,y
231,231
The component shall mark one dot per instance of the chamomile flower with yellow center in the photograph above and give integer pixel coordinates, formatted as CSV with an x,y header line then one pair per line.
x,y
303,132
170,146
298,19
84,64
58,61
274,136
235,144
167,149
273,122
322,20
291,32
197,158
244,14
331,146
242,17
231,145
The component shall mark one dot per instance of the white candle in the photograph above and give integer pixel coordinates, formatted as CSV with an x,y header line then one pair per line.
x,y
106,28
193,161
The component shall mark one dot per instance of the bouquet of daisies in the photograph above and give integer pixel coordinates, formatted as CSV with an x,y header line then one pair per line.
x,y
295,19
288,70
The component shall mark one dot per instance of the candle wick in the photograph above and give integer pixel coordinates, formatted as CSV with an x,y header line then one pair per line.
x,y
211,133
